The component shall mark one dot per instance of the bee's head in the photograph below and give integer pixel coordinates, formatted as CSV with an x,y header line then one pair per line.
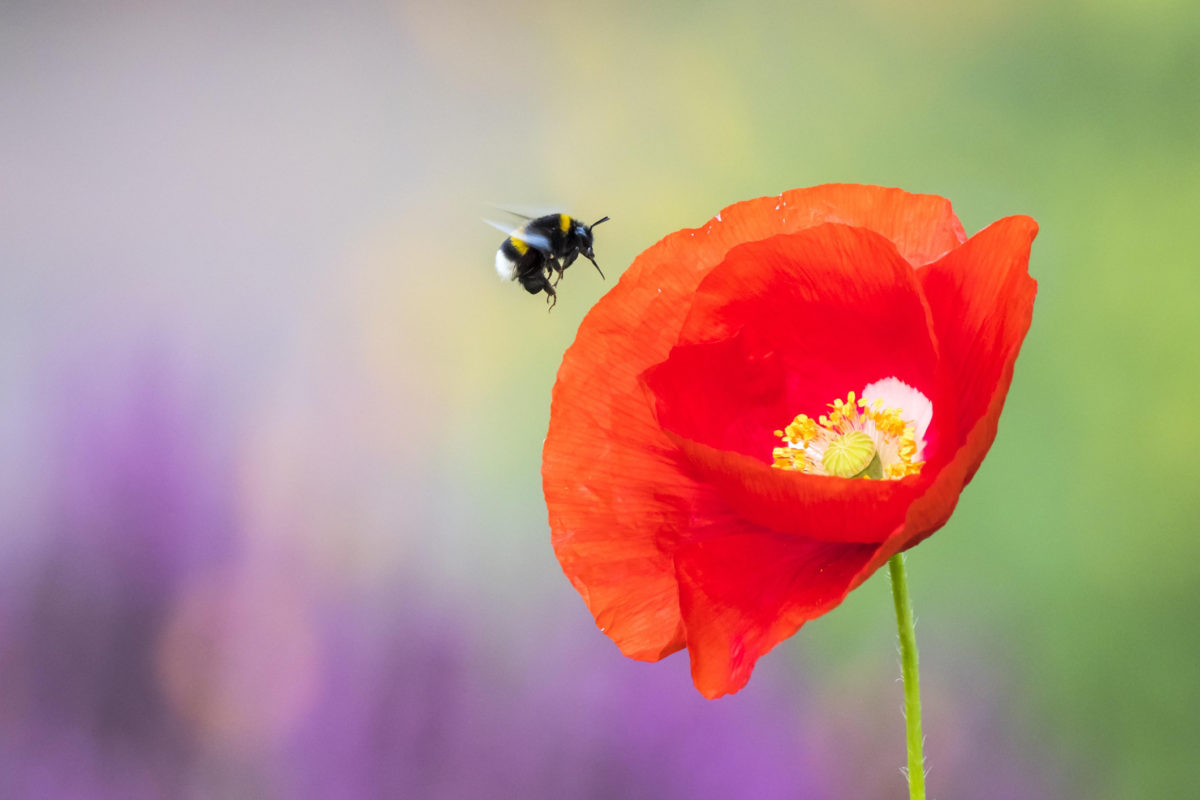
x,y
585,236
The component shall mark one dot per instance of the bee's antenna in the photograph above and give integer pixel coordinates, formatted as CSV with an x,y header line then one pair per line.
x,y
594,264
597,222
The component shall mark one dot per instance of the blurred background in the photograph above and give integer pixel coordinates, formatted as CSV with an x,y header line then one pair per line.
x,y
271,522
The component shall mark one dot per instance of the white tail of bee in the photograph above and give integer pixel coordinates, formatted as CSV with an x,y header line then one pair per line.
x,y
505,268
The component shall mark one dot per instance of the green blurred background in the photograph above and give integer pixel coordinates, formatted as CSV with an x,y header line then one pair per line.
x,y
279,209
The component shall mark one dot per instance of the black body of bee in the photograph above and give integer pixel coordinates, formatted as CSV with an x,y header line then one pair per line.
x,y
537,253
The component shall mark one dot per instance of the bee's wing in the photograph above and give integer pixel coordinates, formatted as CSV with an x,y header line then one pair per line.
x,y
525,212
534,240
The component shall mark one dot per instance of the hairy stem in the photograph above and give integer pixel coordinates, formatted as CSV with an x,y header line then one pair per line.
x,y
912,682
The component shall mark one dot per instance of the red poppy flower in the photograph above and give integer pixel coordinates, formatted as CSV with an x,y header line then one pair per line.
x,y
711,417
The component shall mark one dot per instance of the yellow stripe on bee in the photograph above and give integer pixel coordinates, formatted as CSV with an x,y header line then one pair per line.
x,y
564,223
519,244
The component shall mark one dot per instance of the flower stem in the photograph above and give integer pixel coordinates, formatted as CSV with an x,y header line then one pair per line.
x,y
912,682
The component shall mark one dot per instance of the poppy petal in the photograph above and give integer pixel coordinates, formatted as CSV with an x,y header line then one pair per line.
x,y
922,226
612,479
981,300
605,473
743,593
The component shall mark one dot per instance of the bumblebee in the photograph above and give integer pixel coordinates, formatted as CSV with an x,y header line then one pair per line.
x,y
538,252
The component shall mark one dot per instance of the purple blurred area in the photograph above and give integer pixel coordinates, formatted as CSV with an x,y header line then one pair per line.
x,y
150,649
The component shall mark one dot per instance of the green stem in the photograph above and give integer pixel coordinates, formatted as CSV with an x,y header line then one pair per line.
x,y
912,682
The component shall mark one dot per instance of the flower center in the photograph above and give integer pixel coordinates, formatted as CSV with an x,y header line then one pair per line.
x,y
851,455
857,439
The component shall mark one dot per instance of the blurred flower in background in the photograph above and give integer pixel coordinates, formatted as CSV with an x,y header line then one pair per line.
x,y
133,501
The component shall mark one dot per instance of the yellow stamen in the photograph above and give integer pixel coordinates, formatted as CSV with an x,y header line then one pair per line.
x,y
857,438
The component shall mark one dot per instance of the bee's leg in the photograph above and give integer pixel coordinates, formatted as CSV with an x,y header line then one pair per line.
x,y
551,298
569,260
556,269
